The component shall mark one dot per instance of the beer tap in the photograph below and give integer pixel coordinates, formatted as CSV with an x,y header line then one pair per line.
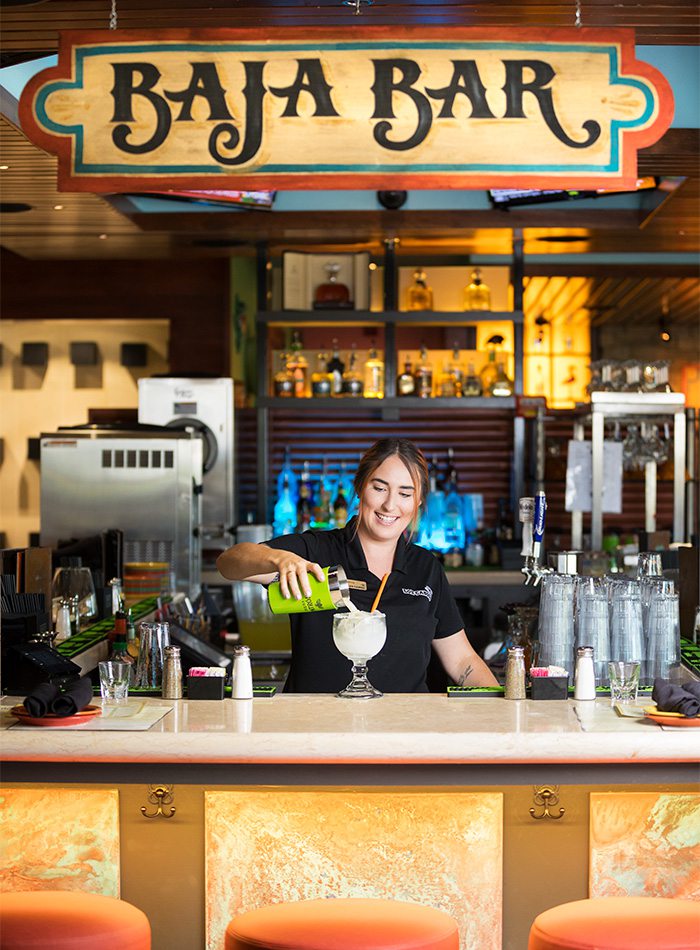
x,y
531,513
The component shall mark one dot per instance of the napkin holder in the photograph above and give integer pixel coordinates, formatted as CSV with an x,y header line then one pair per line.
x,y
549,687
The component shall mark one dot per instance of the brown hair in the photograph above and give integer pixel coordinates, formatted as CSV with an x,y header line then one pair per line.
x,y
412,458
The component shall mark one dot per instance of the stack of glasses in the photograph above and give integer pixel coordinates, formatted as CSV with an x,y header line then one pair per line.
x,y
621,618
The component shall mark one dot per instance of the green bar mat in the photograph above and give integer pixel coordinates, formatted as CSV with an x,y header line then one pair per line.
x,y
468,692
98,631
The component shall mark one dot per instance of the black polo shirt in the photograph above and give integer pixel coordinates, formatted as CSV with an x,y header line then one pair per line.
x,y
417,601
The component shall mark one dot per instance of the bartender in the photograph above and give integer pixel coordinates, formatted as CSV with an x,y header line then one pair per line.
x,y
421,614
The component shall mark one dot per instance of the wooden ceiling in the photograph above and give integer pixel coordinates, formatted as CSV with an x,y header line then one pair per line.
x,y
81,226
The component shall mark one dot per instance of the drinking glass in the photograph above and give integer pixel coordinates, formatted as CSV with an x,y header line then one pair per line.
x,y
77,582
624,682
359,636
556,621
664,642
593,627
627,631
114,681
649,564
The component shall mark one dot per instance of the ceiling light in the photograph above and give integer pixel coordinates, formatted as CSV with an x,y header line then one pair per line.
x,y
4,168
102,237
664,322
58,207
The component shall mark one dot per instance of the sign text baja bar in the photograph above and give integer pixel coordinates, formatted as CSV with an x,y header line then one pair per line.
x,y
354,108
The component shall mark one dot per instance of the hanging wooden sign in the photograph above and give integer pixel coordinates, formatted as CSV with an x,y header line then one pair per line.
x,y
353,108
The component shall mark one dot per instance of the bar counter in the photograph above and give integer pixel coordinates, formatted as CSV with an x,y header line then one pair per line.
x,y
395,731
293,796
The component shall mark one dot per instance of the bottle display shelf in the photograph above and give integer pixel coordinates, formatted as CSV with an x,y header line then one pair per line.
x,y
302,318
345,403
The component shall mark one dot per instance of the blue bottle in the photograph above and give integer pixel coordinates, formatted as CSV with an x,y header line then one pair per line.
x,y
285,514
287,472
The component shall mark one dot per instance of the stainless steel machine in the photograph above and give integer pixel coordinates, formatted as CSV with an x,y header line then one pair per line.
x,y
206,407
144,480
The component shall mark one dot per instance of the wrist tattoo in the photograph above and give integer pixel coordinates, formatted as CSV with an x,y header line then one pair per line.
x,y
465,675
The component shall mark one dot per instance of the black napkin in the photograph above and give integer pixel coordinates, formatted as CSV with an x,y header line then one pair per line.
x,y
670,697
39,701
75,697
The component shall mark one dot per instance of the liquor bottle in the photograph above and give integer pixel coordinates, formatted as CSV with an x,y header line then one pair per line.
x,y
298,367
332,294
119,631
132,640
322,508
477,295
321,379
424,375
336,368
452,376
346,487
419,295
501,385
288,474
120,653
352,381
432,530
472,384
340,508
285,513
305,503
283,381
455,535
374,376
489,372
406,381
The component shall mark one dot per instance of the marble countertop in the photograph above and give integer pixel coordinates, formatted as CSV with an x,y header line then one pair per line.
x,y
396,729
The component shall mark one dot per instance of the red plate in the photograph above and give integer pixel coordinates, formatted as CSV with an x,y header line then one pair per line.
x,y
51,719
673,720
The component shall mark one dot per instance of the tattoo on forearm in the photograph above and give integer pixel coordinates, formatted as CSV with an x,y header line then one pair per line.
x,y
465,676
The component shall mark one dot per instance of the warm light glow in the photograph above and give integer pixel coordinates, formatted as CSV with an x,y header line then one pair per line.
x,y
58,207
103,237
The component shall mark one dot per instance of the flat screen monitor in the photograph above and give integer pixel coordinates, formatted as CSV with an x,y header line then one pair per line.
x,y
514,197
255,200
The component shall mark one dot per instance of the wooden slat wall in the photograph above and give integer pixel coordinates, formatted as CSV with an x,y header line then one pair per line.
x,y
482,443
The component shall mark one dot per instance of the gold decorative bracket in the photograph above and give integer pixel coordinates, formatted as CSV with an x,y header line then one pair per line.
x,y
546,796
160,795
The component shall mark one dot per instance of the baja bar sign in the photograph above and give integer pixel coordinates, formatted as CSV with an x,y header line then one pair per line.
x,y
356,108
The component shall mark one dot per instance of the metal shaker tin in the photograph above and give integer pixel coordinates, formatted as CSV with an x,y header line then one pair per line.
x,y
330,594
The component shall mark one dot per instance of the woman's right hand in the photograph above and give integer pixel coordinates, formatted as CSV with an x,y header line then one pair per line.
x,y
294,573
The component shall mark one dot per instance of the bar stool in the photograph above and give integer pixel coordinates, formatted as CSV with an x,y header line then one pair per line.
x,y
70,920
618,923
343,924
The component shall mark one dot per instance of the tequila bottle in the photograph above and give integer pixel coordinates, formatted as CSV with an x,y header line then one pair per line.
x,y
321,379
352,380
419,295
332,294
501,385
472,384
477,295
424,375
489,372
451,379
305,503
336,368
283,381
298,367
374,376
406,381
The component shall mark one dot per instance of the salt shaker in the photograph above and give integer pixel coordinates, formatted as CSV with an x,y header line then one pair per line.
x,y
242,682
515,673
63,625
584,676
172,674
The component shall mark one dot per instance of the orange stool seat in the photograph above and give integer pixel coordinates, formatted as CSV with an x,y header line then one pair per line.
x,y
343,924
618,923
70,920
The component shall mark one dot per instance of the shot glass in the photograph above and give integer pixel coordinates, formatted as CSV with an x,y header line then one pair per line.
x,y
114,682
624,682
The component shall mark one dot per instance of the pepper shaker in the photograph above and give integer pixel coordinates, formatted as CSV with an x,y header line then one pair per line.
x,y
515,673
584,676
242,681
172,674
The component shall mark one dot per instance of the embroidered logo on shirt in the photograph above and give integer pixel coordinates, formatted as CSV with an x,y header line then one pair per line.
x,y
426,592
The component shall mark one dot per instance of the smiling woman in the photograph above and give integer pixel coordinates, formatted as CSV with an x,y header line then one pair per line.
x,y
421,614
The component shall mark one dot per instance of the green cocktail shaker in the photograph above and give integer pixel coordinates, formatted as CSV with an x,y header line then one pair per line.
x,y
329,594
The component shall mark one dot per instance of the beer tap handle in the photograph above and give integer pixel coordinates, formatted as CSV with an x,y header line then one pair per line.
x,y
526,514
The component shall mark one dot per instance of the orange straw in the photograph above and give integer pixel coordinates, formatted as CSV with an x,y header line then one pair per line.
x,y
379,592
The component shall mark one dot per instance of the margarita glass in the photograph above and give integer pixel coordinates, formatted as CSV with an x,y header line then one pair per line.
x,y
359,636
